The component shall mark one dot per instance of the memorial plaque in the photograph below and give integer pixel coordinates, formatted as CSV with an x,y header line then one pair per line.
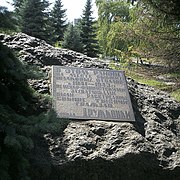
x,y
81,93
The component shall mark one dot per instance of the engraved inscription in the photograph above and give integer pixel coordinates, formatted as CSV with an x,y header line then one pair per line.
x,y
81,93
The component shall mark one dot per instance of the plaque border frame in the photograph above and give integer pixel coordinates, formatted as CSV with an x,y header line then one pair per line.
x,y
53,91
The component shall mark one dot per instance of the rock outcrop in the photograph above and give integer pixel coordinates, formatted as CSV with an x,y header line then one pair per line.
x,y
146,149
97,150
37,52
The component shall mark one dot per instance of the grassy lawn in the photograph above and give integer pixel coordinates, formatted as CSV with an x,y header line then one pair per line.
x,y
149,76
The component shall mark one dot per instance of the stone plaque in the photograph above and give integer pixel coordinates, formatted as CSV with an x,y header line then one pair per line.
x,y
81,93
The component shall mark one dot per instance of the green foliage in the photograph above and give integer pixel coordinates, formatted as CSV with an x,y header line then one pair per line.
x,y
18,8
113,19
12,161
147,30
176,95
58,44
34,72
88,32
13,83
7,19
17,134
58,20
72,39
18,4
34,18
158,34
17,129
170,8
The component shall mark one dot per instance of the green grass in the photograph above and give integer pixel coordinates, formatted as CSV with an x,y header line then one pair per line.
x,y
173,75
146,80
143,78
176,95
152,82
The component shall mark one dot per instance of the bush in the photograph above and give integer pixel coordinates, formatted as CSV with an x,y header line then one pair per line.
x,y
17,128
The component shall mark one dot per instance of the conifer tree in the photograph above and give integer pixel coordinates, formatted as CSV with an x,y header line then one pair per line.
x,y
7,19
72,38
18,7
34,18
88,31
58,15
20,120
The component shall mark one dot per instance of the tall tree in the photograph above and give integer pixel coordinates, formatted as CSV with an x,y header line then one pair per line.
x,y
34,18
18,4
88,31
72,39
58,15
7,19
146,29
168,7
18,10
113,18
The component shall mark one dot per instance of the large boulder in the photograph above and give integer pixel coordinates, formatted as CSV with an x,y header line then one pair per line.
x,y
149,148
41,56
37,52
146,149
